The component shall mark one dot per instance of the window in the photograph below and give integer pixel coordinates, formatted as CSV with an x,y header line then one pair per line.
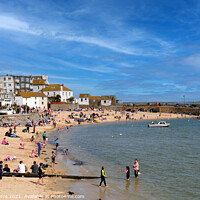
x,y
22,79
9,78
48,93
63,93
54,94
42,98
81,100
86,99
10,90
4,79
4,84
104,101
38,87
9,84
35,98
42,102
35,102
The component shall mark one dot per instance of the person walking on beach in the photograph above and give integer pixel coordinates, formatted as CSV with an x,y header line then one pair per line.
x,y
27,128
127,172
53,159
1,169
34,126
136,168
40,173
44,135
103,177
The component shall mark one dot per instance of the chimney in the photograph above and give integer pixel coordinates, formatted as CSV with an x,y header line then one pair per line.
x,y
61,87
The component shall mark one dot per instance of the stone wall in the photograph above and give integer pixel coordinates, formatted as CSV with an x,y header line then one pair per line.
x,y
67,106
20,118
162,109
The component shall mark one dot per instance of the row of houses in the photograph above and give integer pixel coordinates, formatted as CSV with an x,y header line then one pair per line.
x,y
35,91
96,101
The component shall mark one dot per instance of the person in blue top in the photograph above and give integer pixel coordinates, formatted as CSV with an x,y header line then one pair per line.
x,y
1,169
57,143
103,176
39,148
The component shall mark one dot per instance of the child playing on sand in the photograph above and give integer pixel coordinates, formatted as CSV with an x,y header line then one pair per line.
x,y
33,154
4,142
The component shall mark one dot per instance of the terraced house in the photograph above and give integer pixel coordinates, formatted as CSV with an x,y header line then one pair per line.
x,y
96,101
31,99
52,90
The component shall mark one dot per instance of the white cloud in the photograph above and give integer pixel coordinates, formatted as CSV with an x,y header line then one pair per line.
x,y
13,24
123,44
61,77
193,60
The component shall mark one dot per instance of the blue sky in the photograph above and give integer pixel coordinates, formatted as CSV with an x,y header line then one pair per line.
x,y
138,50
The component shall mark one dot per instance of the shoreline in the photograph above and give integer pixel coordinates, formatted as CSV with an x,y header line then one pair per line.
x,y
23,154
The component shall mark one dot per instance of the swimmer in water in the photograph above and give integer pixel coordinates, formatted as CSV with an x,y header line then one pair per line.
x,y
65,152
136,168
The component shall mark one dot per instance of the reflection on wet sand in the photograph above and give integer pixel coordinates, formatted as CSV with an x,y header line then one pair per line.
x,y
137,185
127,185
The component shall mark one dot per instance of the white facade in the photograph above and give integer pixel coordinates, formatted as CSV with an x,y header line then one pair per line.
x,y
14,83
106,102
37,88
83,101
7,83
56,89
32,101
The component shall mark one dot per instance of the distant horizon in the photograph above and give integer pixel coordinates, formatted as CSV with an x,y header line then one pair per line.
x,y
135,50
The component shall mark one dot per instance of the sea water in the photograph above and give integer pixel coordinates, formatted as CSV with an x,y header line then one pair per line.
x,y
169,157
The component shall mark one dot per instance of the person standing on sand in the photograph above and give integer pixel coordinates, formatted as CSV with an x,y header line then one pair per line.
x,y
39,148
57,143
103,176
136,168
44,135
40,173
53,159
1,169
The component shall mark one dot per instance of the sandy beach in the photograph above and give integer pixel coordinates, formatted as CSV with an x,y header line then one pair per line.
x,y
23,188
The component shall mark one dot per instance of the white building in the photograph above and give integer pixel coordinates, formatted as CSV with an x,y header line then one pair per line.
x,y
84,99
14,83
39,84
31,99
5,98
7,83
53,90
105,101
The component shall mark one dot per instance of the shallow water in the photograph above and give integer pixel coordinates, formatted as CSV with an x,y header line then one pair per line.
x,y
169,158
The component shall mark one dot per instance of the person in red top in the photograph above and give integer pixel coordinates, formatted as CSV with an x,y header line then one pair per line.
x,y
136,168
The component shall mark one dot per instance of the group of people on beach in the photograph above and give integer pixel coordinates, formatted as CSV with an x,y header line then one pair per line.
x,y
127,171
